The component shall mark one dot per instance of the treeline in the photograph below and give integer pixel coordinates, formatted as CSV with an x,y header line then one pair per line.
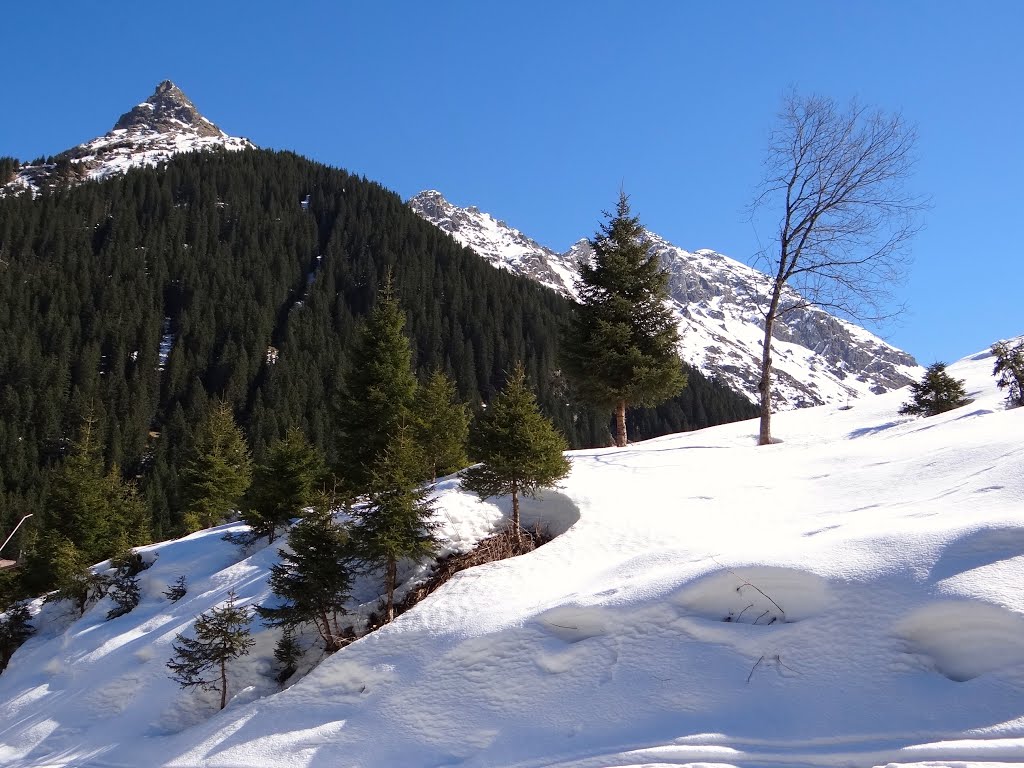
x,y
137,303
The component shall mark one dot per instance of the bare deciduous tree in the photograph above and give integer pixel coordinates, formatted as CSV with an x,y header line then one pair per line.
x,y
838,176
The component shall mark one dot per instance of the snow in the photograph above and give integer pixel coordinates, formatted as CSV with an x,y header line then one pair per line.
x,y
850,596
718,303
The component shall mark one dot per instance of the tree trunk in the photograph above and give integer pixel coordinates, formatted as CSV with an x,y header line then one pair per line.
x,y
517,532
390,578
330,641
620,424
223,683
764,386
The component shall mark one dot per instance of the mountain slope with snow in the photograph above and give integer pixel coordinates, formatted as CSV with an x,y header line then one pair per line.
x,y
165,124
848,597
818,358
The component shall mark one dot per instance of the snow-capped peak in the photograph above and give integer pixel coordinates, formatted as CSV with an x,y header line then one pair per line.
x,y
163,125
818,358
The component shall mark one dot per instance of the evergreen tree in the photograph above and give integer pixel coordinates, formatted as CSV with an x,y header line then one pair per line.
x,y
314,578
519,450
284,485
287,654
1009,368
69,575
177,590
396,522
15,629
219,471
442,425
95,509
124,586
380,389
221,635
621,345
936,393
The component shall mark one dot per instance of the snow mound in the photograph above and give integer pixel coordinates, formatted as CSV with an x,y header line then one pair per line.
x,y
965,639
758,595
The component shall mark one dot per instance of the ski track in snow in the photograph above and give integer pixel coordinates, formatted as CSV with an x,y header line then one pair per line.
x,y
848,597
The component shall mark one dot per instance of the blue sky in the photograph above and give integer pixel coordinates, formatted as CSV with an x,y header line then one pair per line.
x,y
538,111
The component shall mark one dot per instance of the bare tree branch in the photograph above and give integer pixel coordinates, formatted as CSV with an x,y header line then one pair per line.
x,y
846,218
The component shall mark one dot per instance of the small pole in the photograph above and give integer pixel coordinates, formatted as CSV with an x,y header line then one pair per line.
x,y
26,517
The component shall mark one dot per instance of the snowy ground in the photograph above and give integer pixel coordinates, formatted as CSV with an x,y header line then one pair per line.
x,y
851,596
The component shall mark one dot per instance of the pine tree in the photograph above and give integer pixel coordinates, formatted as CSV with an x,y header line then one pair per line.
x,y
219,471
519,450
97,510
620,348
937,393
442,425
124,586
177,590
396,522
380,389
1009,368
287,654
221,635
69,575
283,486
314,578
15,629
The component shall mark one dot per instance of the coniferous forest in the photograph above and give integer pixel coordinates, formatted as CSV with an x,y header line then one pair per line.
x,y
132,307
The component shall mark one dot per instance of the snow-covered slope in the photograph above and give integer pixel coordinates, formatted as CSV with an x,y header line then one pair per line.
x,y
163,125
849,597
818,359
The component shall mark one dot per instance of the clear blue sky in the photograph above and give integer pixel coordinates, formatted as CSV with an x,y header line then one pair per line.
x,y
538,111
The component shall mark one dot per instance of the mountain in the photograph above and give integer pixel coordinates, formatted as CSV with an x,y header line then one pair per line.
x,y
165,124
819,358
866,611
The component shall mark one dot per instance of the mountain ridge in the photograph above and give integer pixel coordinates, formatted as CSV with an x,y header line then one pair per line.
x,y
819,358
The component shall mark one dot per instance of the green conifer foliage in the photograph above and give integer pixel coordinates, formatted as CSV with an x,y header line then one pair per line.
x,y
219,471
97,510
1009,370
397,521
621,345
177,590
314,578
936,393
441,425
519,450
380,390
15,629
284,485
221,635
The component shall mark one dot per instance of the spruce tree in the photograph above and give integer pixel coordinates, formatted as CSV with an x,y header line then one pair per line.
x,y
620,348
380,389
314,578
519,450
936,393
177,590
284,485
15,629
218,472
441,425
124,586
221,635
1009,368
396,522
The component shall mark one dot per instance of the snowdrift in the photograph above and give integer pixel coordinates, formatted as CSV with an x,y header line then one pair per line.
x,y
853,596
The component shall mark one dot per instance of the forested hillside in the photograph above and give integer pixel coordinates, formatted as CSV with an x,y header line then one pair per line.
x,y
139,300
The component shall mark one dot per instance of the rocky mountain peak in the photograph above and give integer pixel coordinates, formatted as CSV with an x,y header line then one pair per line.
x,y
164,125
168,109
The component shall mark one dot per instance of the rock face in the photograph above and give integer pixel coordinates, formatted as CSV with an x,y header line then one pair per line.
x,y
819,358
163,125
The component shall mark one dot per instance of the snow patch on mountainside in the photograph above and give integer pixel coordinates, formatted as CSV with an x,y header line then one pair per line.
x,y
819,358
162,126
848,597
